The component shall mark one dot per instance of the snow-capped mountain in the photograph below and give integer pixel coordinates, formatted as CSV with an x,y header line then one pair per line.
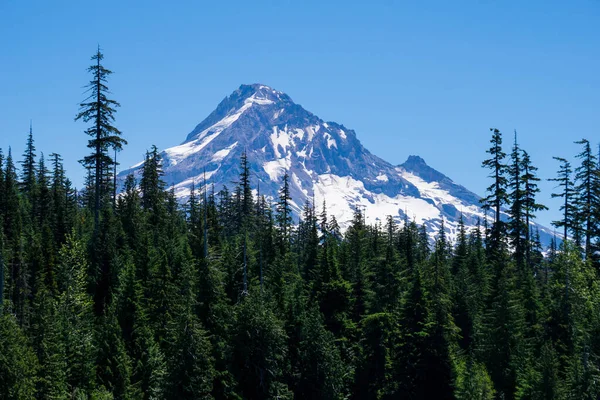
x,y
324,160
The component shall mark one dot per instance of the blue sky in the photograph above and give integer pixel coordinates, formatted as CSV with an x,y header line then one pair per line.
x,y
427,78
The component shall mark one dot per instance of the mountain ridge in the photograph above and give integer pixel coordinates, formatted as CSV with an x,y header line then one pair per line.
x,y
325,161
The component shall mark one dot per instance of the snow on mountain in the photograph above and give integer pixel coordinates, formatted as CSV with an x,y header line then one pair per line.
x,y
325,161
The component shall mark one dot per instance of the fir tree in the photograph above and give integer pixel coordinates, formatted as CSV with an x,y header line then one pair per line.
x,y
99,110
587,197
565,183
518,231
18,363
497,197
284,215
530,204
28,176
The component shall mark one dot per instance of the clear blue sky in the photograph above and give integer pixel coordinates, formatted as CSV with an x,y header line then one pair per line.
x,y
427,78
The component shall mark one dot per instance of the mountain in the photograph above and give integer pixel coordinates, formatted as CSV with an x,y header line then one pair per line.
x,y
325,161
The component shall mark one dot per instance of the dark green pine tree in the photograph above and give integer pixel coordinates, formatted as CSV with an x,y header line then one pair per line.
x,y
498,196
503,327
2,267
153,188
99,111
105,260
195,223
316,348
412,365
596,212
375,376
517,230
465,307
44,196
12,204
19,274
355,268
472,380
129,211
113,365
28,168
565,182
441,332
587,197
2,189
283,216
530,204
246,201
47,333
259,350
190,362
60,218
387,269
308,241
18,362
75,312
331,290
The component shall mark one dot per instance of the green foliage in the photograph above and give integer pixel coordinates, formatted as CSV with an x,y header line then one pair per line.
x,y
229,298
472,380
258,349
98,110
18,363
190,362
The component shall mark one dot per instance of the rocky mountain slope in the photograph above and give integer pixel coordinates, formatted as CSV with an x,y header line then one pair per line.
x,y
325,161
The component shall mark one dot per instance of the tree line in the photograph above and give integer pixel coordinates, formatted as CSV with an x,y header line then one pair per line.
x,y
136,296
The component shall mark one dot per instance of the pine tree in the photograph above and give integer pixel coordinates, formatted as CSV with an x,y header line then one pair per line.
x,y
530,204
516,197
2,267
247,203
75,310
12,203
497,197
153,187
465,291
411,364
440,336
98,109
18,272
473,381
113,366
316,348
44,200
587,197
190,362
28,176
18,362
46,330
59,214
374,377
308,240
284,215
565,182
258,349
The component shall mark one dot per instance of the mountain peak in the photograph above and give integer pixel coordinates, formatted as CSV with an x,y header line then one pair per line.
x,y
245,97
414,161
325,161
261,92
256,87
419,167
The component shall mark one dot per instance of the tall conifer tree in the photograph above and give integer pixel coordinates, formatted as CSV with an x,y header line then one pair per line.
x,y
100,111
498,196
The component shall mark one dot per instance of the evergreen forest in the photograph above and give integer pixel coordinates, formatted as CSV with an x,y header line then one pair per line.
x,y
130,294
